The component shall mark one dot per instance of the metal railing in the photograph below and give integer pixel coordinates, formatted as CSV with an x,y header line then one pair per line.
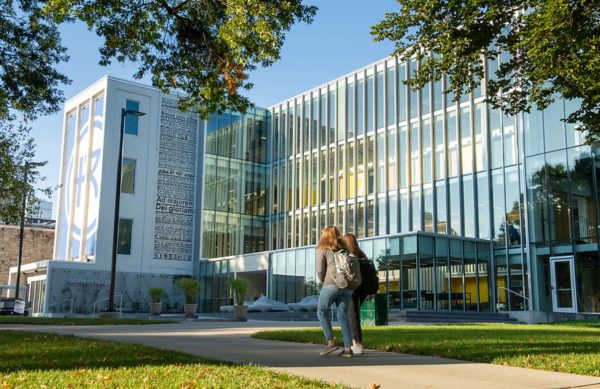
x,y
120,296
62,301
525,298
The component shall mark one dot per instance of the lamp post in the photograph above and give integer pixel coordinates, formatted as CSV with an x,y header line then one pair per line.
x,y
22,224
113,265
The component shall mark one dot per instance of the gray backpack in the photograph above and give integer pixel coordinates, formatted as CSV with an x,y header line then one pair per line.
x,y
347,274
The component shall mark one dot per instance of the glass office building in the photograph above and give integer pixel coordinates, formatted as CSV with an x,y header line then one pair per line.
x,y
461,206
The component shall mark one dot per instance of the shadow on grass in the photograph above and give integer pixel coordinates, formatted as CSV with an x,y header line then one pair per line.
x,y
21,350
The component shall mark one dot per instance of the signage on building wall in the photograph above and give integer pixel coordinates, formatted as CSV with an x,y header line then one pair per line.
x,y
81,186
174,218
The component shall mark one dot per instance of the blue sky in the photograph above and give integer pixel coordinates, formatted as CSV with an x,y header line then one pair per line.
x,y
337,42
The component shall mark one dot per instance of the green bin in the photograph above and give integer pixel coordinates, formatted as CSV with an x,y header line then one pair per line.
x,y
374,312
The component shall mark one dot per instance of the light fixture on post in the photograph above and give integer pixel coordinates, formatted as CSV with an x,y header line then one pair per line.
x,y
27,166
113,265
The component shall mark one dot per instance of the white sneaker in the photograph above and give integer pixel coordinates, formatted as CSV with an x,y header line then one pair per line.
x,y
357,349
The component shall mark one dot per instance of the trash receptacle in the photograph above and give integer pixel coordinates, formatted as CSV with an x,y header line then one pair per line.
x,y
374,312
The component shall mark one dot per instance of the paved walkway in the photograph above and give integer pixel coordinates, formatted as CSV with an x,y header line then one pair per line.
x,y
231,341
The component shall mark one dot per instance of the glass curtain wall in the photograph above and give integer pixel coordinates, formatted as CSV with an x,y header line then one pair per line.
x,y
416,272
235,185
366,153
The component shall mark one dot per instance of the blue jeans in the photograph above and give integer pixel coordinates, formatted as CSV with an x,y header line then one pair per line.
x,y
342,298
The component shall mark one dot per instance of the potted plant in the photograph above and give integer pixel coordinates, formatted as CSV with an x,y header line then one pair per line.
x,y
156,294
239,287
190,288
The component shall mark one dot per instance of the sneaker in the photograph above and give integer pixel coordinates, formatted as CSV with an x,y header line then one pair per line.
x,y
357,349
329,349
347,354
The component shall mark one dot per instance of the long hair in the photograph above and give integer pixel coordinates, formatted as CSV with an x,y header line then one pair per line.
x,y
329,239
351,244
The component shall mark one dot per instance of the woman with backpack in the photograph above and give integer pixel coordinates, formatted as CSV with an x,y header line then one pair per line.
x,y
330,293
368,287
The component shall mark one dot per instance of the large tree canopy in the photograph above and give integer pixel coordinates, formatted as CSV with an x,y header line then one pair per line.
x,y
547,48
204,48
29,51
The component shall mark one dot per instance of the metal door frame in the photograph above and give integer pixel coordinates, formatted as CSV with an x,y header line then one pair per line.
x,y
571,260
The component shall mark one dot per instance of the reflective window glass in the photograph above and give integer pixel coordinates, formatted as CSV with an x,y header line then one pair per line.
x,y
392,176
413,95
557,196
554,127
415,200
360,107
468,206
428,208
580,166
131,121
426,150
381,162
124,236
452,142
465,141
454,210
379,100
441,214
496,138
483,205
370,96
403,152
350,112
440,148
415,147
401,77
480,139
390,96
513,229
128,176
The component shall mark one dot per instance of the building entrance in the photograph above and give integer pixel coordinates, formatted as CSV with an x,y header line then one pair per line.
x,y
562,277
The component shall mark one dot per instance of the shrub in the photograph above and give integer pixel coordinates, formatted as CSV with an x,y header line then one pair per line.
x,y
190,288
239,287
156,293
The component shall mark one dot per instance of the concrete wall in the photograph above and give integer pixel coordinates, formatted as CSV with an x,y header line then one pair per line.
x,y
88,287
37,245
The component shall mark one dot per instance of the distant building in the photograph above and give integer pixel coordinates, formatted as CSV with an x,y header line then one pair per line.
x,y
42,211
462,207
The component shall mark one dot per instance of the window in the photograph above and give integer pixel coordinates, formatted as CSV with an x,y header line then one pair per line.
x,y
124,237
128,176
131,121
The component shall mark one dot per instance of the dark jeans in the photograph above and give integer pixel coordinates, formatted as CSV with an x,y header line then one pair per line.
x,y
354,315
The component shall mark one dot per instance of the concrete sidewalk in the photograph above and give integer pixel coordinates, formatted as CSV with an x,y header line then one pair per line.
x,y
231,341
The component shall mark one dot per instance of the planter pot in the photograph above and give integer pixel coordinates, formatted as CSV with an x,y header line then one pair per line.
x,y
190,309
155,308
239,312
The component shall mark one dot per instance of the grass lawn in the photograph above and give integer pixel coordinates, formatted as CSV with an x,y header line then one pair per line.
x,y
76,321
56,361
569,347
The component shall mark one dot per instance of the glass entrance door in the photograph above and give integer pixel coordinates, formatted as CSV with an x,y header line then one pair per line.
x,y
562,274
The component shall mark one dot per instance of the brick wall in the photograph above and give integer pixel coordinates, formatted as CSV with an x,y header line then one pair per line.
x,y
38,244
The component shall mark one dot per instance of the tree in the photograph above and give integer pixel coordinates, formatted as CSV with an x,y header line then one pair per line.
x,y
29,51
204,48
16,148
541,48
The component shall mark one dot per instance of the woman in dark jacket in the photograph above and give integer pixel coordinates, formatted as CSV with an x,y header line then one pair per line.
x,y
358,296
330,293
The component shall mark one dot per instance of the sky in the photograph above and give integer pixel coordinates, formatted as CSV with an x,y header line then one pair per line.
x,y
337,42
